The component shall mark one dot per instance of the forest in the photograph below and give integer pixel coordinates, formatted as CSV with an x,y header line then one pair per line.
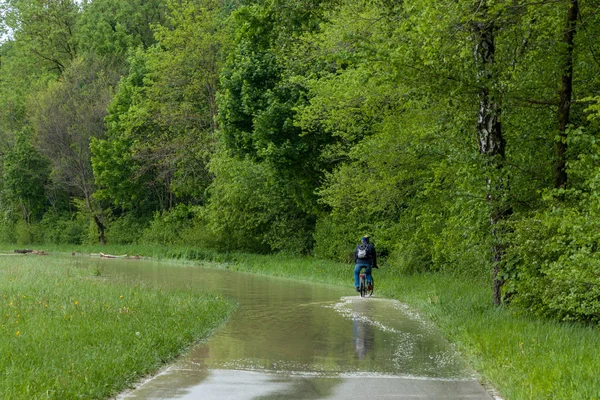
x,y
462,135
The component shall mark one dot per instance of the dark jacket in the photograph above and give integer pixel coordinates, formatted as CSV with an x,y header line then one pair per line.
x,y
371,258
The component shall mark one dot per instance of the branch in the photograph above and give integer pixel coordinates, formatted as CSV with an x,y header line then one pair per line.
x,y
59,65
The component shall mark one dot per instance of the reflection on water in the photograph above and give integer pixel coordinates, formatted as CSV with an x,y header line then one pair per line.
x,y
364,338
289,328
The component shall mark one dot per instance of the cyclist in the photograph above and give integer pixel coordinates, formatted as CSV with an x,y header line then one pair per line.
x,y
365,257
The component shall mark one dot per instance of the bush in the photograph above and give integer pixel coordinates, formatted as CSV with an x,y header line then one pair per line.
x,y
251,209
63,229
167,227
7,230
27,234
126,229
336,240
553,265
553,261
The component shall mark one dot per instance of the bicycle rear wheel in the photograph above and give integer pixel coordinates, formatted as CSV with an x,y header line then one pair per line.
x,y
363,285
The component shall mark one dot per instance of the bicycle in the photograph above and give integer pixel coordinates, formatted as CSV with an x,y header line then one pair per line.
x,y
365,288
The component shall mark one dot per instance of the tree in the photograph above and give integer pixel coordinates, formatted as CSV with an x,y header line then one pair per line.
x,y
45,29
111,28
14,86
66,117
492,144
566,93
161,123
554,256
261,92
25,175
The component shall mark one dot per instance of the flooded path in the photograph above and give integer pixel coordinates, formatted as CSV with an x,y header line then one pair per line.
x,y
296,340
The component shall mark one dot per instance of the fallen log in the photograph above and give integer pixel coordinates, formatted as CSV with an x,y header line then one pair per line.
x,y
25,251
102,255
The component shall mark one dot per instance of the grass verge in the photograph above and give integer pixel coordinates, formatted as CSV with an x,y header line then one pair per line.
x,y
66,333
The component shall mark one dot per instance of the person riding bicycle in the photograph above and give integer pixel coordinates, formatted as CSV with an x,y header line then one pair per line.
x,y
365,257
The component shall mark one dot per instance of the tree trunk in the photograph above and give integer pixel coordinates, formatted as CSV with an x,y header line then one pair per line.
x,y
566,94
101,229
491,143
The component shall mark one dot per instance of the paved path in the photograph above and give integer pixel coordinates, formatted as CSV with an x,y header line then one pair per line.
x,y
246,385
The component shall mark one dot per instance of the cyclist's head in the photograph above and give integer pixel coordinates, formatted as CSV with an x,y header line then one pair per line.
x,y
365,239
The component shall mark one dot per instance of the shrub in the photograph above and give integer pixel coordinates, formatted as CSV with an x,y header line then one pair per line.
x,y
126,229
63,229
553,261
167,227
27,234
7,230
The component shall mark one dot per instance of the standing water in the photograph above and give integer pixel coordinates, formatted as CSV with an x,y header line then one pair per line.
x,y
299,340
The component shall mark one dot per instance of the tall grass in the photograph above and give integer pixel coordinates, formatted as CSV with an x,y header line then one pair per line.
x,y
67,333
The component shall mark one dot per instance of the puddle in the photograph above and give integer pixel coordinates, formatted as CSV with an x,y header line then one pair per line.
x,y
290,337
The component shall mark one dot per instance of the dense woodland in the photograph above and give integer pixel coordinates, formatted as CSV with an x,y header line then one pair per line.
x,y
462,135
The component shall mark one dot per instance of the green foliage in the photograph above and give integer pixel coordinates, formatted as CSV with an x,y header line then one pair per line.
x,y
166,227
45,30
298,126
7,230
112,27
553,259
161,122
260,93
251,209
126,229
63,229
67,115
26,233
407,172
121,176
15,83
26,173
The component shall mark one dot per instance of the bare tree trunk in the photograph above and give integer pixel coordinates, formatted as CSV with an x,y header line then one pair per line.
x,y
566,94
491,144
101,229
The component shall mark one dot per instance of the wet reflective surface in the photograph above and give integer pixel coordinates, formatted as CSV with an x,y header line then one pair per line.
x,y
296,340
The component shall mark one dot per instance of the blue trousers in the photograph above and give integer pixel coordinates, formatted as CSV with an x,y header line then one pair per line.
x,y
357,269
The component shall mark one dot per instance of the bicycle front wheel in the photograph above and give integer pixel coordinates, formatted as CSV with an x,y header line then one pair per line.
x,y
363,285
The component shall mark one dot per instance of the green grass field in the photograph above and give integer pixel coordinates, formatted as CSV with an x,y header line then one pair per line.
x,y
66,332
